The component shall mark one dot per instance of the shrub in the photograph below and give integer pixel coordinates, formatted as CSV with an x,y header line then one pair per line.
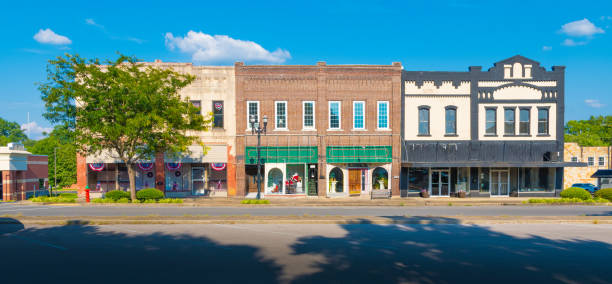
x,y
123,200
605,193
150,193
68,195
170,200
566,201
255,201
150,201
117,194
53,199
576,192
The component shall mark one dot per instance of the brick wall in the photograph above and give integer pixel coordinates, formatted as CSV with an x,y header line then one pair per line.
x,y
583,174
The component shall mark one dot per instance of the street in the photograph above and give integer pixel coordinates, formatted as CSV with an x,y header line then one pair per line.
x,y
69,211
273,253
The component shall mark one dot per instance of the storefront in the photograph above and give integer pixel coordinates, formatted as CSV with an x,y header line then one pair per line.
x,y
358,170
285,169
201,172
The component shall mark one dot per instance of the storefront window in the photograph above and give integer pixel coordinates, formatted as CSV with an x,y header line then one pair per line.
x,y
484,180
536,179
336,180
295,182
380,179
418,179
217,179
275,181
463,183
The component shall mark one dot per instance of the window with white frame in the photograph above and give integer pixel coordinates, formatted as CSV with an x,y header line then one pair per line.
x,y
359,115
252,110
602,161
591,161
424,120
542,121
491,121
280,114
451,120
308,109
382,113
334,115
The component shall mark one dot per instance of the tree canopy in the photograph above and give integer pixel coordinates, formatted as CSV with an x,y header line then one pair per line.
x,y
595,131
11,132
122,107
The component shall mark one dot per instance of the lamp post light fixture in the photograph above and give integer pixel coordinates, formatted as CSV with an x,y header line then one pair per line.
x,y
257,128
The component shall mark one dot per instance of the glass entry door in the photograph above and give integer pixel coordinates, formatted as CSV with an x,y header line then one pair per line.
x,y
198,180
440,182
500,180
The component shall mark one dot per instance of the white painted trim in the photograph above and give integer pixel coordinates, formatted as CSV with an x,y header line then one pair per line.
x,y
314,116
247,114
378,103
276,103
363,110
339,115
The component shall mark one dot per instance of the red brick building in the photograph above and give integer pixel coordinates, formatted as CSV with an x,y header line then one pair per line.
x,y
22,174
333,130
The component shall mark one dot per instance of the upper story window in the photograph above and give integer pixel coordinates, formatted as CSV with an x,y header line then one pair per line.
x,y
334,115
575,159
280,114
218,114
491,121
451,120
509,117
308,110
543,121
382,114
602,161
252,110
358,115
591,161
423,120
197,104
525,120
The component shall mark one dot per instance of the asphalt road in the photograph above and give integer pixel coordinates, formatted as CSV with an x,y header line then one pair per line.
x,y
69,211
359,253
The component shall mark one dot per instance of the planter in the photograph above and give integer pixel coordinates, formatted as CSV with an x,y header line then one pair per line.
x,y
332,187
461,194
381,184
424,194
514,194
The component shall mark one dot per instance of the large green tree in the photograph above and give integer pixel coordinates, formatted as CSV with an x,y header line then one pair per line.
x,y
11,132
60,148
122,107
595,131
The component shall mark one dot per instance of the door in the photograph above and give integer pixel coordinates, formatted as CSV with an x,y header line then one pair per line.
x,y
354,181
198,181
500,183
440,182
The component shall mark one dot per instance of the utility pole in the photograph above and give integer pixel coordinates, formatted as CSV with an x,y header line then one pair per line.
x,y
54,169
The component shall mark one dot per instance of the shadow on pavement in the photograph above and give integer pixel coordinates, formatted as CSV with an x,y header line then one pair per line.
x,y
448,252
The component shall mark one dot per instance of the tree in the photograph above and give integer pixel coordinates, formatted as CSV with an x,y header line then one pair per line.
x,y
61,142
123,107
596,131
11,132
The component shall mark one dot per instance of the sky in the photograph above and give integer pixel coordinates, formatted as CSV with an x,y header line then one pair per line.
x,y
428,35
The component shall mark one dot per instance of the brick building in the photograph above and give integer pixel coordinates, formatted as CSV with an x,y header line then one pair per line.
x,y
333,130
594,158
22,174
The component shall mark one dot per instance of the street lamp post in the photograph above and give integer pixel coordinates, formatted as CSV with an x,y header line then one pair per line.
x,y
257,128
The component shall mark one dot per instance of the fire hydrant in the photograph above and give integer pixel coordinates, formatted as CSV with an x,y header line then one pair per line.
x,y
87,193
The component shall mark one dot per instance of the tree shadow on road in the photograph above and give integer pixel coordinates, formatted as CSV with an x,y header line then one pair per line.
x,y
79,253
440,250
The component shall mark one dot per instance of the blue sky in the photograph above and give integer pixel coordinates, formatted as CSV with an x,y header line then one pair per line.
x,y
422,35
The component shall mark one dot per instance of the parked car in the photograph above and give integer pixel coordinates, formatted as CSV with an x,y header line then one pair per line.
x,y
588,186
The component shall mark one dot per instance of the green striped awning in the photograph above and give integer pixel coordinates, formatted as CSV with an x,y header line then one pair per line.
x,y
359,154
291,154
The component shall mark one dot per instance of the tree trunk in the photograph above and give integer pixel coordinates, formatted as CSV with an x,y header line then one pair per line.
x,y
131,174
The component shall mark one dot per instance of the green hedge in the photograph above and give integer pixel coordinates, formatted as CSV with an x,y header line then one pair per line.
x,y
47,199
566,201
117,194
127,200
68,195
255,201
576,192
150,193
605,193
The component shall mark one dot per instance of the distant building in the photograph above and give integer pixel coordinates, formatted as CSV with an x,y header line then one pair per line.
x,y
22,174
593,158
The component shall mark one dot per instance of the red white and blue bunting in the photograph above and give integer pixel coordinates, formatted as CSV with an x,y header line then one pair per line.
x,y
173,166
218,166
96,167
146,166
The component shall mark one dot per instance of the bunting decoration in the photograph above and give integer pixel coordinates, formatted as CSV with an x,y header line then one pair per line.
x,y
218,166
146,166
173,166
96,167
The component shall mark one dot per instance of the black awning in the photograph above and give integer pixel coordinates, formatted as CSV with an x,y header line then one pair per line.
x,y
495,164
602,174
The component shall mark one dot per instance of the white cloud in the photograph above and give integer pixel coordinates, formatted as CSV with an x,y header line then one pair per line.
x,y
221,48
581,28
49,37
35,130
571,42
91,22
546,48
594,103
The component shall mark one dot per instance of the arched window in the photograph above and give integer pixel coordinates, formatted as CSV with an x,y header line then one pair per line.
x,y
451,120
275,180
517,70
424,120
380,178
336,180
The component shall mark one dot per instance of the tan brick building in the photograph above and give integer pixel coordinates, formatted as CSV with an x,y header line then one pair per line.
x,y
333,130
596,158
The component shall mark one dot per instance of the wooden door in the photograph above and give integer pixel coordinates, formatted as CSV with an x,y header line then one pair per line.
x,y
354,181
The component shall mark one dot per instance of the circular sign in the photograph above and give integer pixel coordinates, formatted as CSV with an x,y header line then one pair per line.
x,y
177,173
96,167
150,174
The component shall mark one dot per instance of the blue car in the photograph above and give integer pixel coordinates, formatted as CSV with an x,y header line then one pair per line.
x,y
588,186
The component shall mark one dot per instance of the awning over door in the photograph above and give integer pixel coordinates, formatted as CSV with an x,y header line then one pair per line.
x,y
359,154
291,154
